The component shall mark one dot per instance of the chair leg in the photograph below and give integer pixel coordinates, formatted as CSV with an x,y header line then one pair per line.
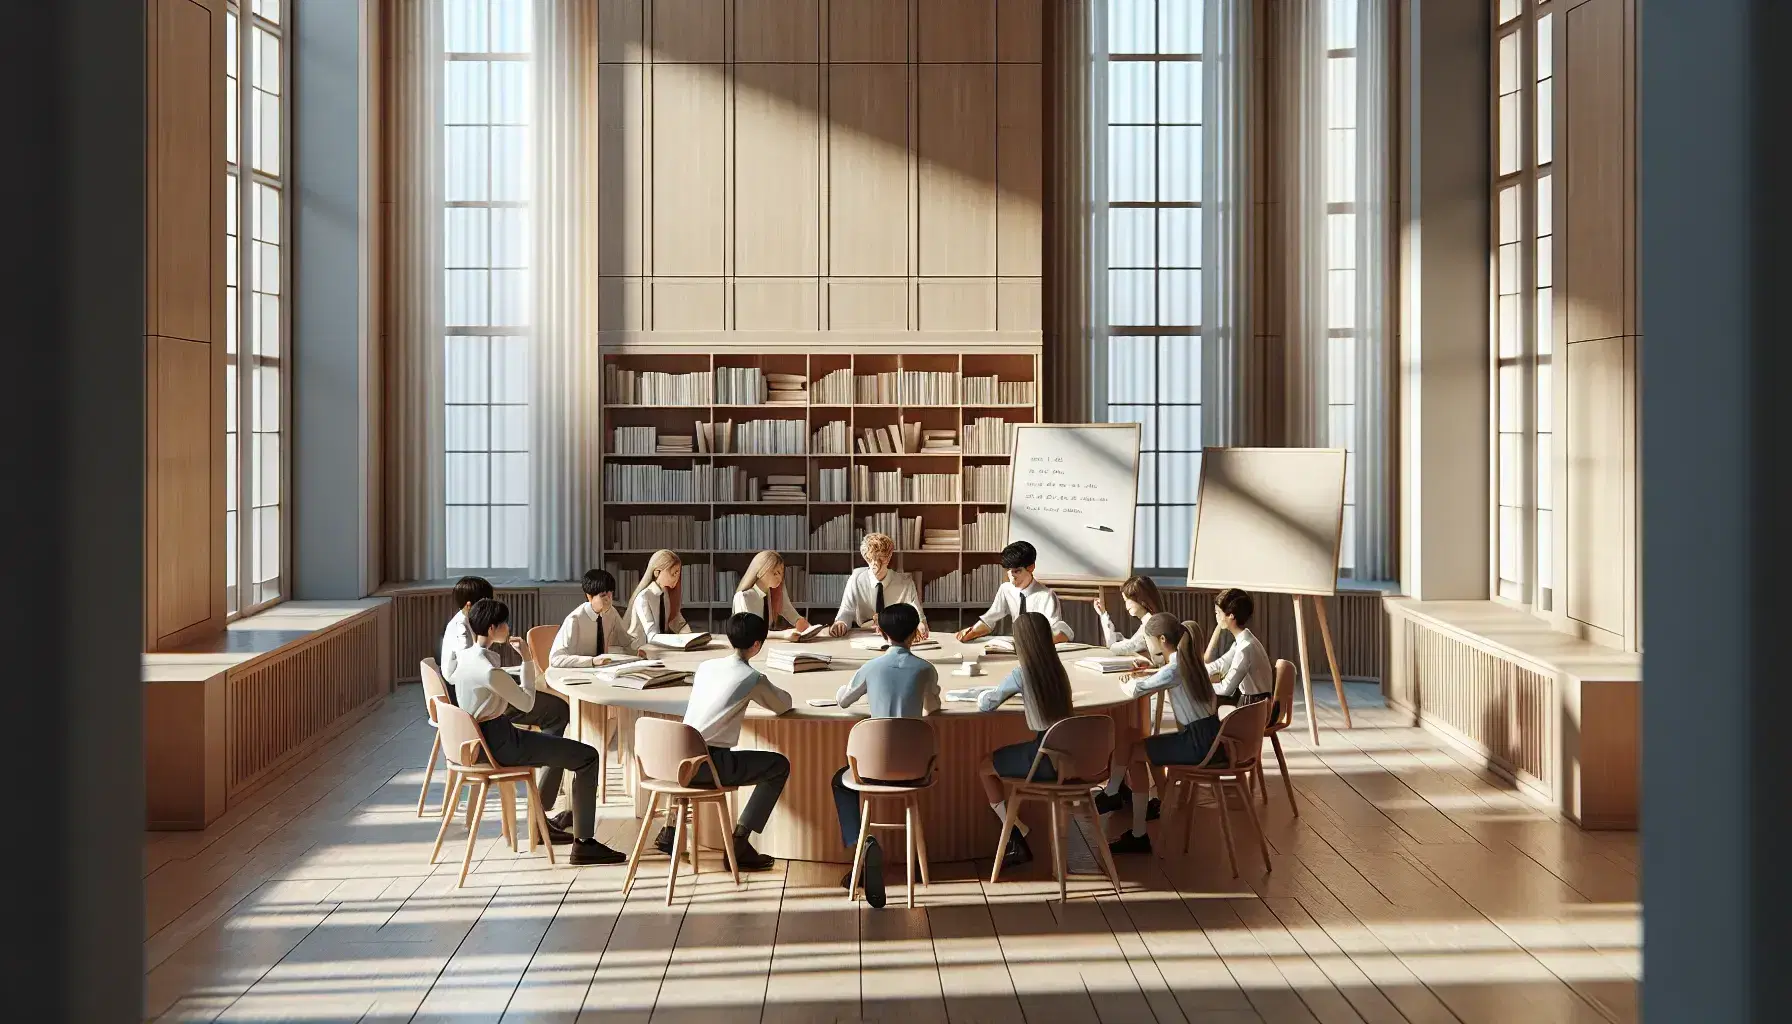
x,y
450,794
603,754
1257,823
429,771
727,840
678,808
921,844
1058,867
1275,740
858,851
475,816
507,804
908,839
538,822
1103,855
634,857
690,808
1219,795
995,873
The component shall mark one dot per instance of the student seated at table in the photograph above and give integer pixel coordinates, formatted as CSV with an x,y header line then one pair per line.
x,y
458,637
762,593
1191,698
1021,592
1140,596
499,704
895,684
1044,690
875,585
719,697
593,628
654,606
1243,675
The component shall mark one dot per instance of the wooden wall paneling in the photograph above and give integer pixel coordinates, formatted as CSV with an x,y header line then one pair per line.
x,y
688,305
777,30
964,304
183,392
953,31
773,305
1020,31
870,305
867,170
621,167
868,31
957,189
620,31
184,203
1019,170
688,205
1020,307
1596,504
776,170
1607,782
184,747
688,31
1597,163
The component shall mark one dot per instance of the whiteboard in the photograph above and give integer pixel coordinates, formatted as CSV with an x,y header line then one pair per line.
x,y
1268,519
1072,493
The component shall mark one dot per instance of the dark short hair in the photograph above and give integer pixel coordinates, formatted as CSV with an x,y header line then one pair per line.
x,y
1019,555
745,629
471,588
485,614
1236,603
899,621
597,582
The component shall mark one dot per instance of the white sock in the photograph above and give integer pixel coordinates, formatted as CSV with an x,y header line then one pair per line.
x,y
1139,807
1116,776
1001,809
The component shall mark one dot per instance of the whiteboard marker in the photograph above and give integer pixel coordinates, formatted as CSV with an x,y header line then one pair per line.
x,y
1103,529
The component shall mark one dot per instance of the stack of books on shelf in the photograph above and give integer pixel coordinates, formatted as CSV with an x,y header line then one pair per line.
x,y
942,589
635,441
784,488
649,387
834,388
923,487
988,533
832,484
994,391
650,533
786,389
906,532
727,583
986,483
831,439
826,589
926,387
731,483
795,659
988,435
876,389
698,583
939,442
895,439
939,540
743,532
715,437
879,485
674,444
834,535
769,437
740,385
983,583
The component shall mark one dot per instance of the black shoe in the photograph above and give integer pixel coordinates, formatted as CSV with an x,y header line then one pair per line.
x,y
1130,843
561,820
590,851
873,875
1108,803
558,835
663,841
748,859
1018,851
1153,809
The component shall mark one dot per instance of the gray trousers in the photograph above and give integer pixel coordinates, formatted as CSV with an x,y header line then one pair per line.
x,y
550,714
764,770
557,754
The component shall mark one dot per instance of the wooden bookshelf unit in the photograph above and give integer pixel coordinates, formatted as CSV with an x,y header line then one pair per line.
x,y
717,508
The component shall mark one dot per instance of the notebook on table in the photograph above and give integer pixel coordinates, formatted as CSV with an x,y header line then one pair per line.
x,y
680,641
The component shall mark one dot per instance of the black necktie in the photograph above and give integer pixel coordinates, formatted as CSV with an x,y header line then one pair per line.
x,y
877,602
600,635
665,627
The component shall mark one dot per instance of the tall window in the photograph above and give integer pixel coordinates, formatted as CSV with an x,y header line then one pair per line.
x,y
255,315
1342,325
1523,335
1154,261
485,113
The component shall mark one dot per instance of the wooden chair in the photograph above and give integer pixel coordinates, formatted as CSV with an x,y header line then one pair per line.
x,y
541,644
470,763
668,755
1079,749
1241,741
891,748
433,687
1283,705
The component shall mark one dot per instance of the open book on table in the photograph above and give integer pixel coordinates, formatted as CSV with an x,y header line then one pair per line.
x,y
1106,665
680,641
642,675
802,636
1005,645
967,695
875,642
790,659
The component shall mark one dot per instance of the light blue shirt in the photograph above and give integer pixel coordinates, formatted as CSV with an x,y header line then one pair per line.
x,y
1010,685
897,684
1168,678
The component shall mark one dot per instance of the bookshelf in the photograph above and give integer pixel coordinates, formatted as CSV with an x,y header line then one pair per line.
x,y
794,471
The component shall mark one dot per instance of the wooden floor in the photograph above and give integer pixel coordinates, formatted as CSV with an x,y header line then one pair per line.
x,y
1411,888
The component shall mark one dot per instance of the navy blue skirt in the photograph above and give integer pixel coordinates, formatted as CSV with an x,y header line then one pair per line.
x,y
1016,759
1188,745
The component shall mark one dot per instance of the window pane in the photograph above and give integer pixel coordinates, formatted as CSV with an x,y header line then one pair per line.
x,y
1180,366
510,370
467,481
1179,477
1511,412
1546,147
1177,521
1340,304
467,538
267,398
510,298
1131,370
465,428
465,377
1131,26
510,92
1179,165
465,242
464,31
1340,241
1132,165
1546,327
510,238
1180,427
1510,9
464,162
1545,472
466,92
1180,298
267,551
1546,56
269,9
1132,237
1545,412
1545,205
1341,370
1509,230
1511,446
1179,26
231,561
510,165
510,428
1147,480
1510,540
1340,24
467,299
266,469
1509,129
1144,415
510,537
1131,298
1340,92
267,325
1144,537
1132,92
1508,63
1511,327
1546,569
1179,237
1178,91
510,478
510,26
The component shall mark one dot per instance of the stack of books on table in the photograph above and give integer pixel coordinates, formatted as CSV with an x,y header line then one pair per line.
x,y
1108,664
795,659
641,675
784,488
786,389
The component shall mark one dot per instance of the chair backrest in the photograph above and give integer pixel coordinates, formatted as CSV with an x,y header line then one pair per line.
x,y
1241,735
892,749
461,739
1080,747
668,751
434,686
541,643
1284,698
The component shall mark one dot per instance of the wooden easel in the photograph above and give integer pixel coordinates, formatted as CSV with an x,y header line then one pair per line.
x,y
1331,658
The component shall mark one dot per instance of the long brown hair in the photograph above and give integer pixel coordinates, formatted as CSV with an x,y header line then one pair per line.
x,y
1044,685
764,564
662,560
1142,590
1190,666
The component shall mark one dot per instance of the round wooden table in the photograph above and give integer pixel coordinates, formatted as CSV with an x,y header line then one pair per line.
x,y
956,815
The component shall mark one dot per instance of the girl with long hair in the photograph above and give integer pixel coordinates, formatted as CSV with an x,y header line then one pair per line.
x,y
1044,688
1142,600
761,592
654,607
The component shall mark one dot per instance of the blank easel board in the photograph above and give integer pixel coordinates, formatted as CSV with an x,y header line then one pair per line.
x,y
1072,494
1269,519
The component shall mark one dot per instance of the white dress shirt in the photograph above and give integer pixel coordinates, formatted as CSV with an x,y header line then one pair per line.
x,y
1118,644
1244,668
576,646
858,604
455,639
486,691
754,600
719,696
644,616
1011,601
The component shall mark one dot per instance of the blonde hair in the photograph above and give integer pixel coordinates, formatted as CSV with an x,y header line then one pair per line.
x,y
662,560
1190,665
764,564
1142,591
877,542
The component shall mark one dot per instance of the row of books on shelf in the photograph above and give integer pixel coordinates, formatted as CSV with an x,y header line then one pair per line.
x,y
701,584
989,435
751,385
746,532
791,437
896,487
906,438
634,483
651,387
628,482
986,483
754,437
992,390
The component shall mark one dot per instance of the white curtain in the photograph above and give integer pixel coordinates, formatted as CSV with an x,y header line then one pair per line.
x,y
1374,389
414,464
1231,374
1302,117
565,445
